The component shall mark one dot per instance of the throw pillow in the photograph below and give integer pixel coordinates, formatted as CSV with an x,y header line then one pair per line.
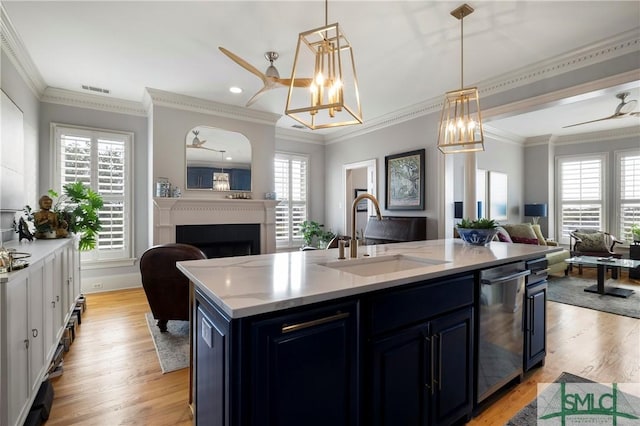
x,y
521,233
536,229
503,235
593,242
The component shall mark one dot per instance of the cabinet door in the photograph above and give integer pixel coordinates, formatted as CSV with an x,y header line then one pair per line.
x,y
36,324
535,335
400,378
58,286
452,396
49,309
305,368
209,380
17,346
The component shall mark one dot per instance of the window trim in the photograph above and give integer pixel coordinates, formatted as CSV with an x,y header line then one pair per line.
x,y
618,155
603,157
95,262
292,242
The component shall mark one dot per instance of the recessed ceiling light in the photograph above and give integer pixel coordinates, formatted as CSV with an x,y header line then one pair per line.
x,y
235,89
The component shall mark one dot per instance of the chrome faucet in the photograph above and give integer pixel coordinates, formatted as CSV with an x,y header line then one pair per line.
x,y
353,244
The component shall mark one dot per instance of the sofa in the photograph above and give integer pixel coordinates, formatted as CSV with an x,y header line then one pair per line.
x,y
527,233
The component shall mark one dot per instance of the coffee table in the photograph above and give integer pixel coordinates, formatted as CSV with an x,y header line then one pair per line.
x,y
602,263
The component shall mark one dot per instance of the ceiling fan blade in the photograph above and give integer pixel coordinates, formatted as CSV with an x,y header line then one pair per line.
x,y
244,64
299,82
592,121
259,93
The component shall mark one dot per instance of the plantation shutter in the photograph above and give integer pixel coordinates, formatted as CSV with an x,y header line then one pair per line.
x,y
581,195
290,173
629,175
99,160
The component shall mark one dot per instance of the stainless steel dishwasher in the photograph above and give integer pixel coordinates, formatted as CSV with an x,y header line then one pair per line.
x,y
500,332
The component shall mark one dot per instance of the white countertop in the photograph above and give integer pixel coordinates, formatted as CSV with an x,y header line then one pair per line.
x,y
249,285
38,250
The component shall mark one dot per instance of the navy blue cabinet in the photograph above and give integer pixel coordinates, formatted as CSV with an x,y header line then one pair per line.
x,y
535,320
200,177
422,375
210,347
401,356
305,368
240,179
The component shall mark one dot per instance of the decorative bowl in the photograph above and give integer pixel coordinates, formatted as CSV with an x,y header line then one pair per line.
x,y
477,236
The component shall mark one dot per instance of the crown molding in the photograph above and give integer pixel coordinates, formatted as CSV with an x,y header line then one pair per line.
x,y
298,136
622,44
14,48
502,135
158,97
87,100
604,135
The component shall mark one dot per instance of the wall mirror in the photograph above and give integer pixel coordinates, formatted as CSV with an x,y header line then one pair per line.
x,y
217,160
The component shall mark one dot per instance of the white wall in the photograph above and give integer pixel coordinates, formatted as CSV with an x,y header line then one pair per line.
x,y
407,136
15,88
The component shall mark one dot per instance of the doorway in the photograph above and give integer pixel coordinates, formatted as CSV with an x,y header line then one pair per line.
x,y
356,177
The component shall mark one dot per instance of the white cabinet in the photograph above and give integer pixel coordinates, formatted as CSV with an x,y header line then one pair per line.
x,y
17,348
35,304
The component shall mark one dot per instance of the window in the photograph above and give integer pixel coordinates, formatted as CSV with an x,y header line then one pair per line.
x,y
290,173
581,194
100,159
628,191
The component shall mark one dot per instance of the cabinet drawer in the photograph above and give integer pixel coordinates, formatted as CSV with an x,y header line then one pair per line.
x,y
538,268
398,308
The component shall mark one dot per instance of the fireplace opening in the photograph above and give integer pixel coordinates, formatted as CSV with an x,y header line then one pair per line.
x,y
224,240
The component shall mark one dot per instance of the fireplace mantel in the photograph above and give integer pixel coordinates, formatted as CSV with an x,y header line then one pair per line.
x,y
170,212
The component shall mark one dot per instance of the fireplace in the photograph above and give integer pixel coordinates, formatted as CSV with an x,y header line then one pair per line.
x,y
170,213
224,240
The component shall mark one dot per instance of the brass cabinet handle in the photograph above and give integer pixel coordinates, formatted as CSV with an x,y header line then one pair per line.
x,y
542,271
295,327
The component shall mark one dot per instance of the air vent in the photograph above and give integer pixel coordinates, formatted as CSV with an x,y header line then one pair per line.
x,y
297,126
96,89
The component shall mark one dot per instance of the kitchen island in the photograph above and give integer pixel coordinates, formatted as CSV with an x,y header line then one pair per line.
x,y
305,338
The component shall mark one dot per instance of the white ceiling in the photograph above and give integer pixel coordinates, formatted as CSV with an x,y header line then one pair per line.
x,y
405,51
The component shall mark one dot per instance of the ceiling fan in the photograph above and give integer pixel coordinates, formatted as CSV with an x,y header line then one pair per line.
x,y
270,78
199,144
623,109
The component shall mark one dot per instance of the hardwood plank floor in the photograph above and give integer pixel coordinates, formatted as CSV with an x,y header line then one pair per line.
x,y
112,375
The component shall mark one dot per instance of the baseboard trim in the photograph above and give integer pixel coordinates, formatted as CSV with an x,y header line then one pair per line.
x,y
110,283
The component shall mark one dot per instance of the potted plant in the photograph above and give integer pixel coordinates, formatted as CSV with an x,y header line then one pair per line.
x,y
477,232
635,232
314,234
76,211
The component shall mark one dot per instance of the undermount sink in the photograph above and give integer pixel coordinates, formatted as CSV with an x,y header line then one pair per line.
x,y
367,267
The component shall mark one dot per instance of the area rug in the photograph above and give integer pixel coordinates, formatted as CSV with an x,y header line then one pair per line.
x,y
570,290
529,414
172,347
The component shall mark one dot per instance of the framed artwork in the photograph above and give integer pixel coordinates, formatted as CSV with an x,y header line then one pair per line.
x,y
405,181
498,196
362,205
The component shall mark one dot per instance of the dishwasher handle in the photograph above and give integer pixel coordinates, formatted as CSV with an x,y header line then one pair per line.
x,y
501,279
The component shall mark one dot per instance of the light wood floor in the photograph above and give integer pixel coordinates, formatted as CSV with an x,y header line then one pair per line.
x,y
112,375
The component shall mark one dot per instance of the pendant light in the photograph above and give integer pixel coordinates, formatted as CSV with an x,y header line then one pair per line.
x,y
221,179
332,97
460,127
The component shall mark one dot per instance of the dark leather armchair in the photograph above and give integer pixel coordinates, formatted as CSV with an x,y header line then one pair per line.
x,y
167,289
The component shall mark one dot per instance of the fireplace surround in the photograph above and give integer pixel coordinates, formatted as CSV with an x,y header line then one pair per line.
x,y
169,213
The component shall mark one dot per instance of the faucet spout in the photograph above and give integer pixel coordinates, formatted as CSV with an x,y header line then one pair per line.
x,y
353,244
